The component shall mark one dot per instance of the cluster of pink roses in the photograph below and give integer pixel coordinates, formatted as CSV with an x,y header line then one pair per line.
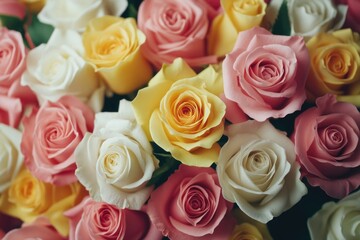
x,y
194,154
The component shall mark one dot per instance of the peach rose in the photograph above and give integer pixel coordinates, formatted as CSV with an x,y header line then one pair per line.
x,y
265,74
181,111
327,146
51,135
175,28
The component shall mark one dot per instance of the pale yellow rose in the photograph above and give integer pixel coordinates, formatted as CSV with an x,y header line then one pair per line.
x,y
34,6
112,47
27,198
248,228
238,15
335,66
181,112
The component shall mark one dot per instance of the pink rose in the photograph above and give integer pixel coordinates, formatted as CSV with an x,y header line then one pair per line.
x,y
100,220
39,229
13,8
12,58
265,74
175,28
50,137
13,102
352,17
190,205
327,146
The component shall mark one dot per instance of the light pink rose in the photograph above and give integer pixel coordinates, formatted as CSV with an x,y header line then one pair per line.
x,y
39,229
13,103
352,17
13,8
100,220
175,28
50,137
265,74
327,146
189,205
12,58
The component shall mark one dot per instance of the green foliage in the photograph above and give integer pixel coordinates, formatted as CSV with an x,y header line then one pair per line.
x,y
12,23
282,23
39,32
132,9
167,166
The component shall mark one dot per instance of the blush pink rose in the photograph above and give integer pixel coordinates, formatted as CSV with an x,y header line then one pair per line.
x,y
190,205
327,146
13,8
50,137
265,74
175,28
100,220
12,57
39,229
352,17
13,103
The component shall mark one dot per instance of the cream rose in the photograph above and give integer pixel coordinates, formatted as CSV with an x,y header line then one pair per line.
x,y
308,17
70,14
337,220
116,161
257,170
11,158
57,68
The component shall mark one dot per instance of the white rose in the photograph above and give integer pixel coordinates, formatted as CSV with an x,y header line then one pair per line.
x,y
257,170
309,17
115,162
11,159
337,221
75,14
57,68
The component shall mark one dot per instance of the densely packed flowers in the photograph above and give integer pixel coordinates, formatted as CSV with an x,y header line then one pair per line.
x,y
179,119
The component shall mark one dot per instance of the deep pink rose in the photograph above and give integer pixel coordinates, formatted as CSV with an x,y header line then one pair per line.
x,y
190,205
100,220
50,137
265,74
327,146
13,8
39,229
175,28
352,17
12,57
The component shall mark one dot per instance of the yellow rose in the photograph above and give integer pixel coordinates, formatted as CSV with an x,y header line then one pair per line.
x,y
335,66
34,6
246,231
248,228
112,47
239,15
181,112
27,198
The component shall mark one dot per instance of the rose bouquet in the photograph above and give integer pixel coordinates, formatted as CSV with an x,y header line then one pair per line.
x,y
179,119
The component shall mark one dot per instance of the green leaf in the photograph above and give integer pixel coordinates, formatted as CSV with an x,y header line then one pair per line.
x,y
282,23
39,32
12,23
